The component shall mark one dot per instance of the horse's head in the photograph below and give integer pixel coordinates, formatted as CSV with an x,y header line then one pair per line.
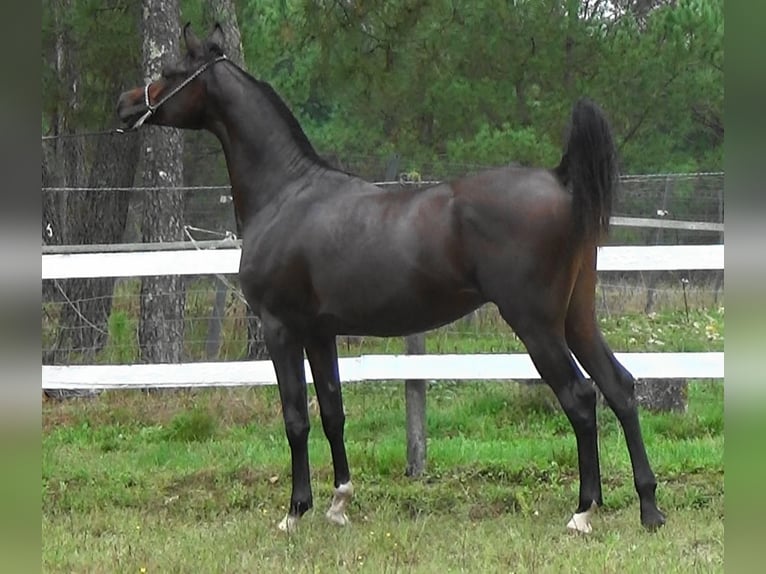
x,y
177,98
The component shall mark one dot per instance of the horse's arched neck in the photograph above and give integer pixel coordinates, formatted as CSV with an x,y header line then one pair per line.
x,y
263,157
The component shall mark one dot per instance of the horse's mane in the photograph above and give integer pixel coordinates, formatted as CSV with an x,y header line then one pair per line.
x,y
289,118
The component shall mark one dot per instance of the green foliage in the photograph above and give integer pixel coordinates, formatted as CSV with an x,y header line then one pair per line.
x,y
102,46
122,345
442,83
496,146
663,86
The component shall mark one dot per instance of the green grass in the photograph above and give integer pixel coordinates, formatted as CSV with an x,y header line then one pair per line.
x,y
196,481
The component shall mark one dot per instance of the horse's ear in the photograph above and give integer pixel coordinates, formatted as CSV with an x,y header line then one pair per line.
x,y
193,44
216,39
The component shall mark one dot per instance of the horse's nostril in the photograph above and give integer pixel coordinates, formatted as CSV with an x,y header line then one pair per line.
x,y
124,103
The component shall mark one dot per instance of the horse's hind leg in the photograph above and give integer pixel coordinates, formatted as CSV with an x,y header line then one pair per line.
x,y
323,359
616,383
286,353
544,340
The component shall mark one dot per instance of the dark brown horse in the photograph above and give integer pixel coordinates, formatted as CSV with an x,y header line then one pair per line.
x,y
325,253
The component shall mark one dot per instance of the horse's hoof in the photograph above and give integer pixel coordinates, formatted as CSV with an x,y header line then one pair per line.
x,y
580,521
652,519
339,518
288,524
341,497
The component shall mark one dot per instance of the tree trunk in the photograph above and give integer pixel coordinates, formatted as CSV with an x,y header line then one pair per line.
x,y
215,322
224,12
161,327
572,9
96,217
51,212
63,163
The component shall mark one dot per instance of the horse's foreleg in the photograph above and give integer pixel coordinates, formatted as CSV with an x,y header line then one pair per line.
x,y
323,359
286,353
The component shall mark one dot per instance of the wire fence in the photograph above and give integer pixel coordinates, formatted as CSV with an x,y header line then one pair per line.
x,y
215,320
208,212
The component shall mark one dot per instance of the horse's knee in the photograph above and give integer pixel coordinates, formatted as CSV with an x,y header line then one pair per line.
x,y
623,402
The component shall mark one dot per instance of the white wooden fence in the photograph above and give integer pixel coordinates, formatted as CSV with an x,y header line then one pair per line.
x,y
364,368
515,366
226,261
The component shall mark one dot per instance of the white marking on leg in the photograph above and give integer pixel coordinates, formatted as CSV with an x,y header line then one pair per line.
x,y
341,497
580,521
289,523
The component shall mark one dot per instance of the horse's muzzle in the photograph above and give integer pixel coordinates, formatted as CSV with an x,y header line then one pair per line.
x,y
130,106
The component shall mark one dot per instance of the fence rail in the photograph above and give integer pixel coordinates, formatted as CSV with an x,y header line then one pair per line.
x,y
496,366
642,222
226,261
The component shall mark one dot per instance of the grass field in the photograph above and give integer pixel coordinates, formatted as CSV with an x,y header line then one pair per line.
x,y
197,481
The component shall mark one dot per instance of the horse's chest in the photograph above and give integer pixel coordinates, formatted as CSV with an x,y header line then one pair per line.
x,y
276,278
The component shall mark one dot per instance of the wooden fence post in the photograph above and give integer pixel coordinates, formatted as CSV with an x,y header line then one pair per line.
x,y
415,401
414,389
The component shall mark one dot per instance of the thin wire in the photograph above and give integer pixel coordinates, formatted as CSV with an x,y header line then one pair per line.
x,y
672,174
112,132
379,183
225,234
200,187
76,310
178,188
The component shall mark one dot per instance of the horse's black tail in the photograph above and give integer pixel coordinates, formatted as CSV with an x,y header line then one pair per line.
x,y
589,168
